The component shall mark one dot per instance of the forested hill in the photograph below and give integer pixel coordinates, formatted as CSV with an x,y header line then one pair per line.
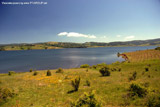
x,y
58,45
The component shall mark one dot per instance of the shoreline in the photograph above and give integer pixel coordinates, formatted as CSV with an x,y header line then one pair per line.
x,y
80,48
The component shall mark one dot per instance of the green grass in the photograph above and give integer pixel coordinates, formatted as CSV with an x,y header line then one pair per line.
x,y
48,91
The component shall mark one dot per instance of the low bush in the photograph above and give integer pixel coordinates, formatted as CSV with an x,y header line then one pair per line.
x,y
49,73
35,73
146,69
104,71
5,94
119,69
75,83
87,83
133,77
84,66
137,90
158,48
87,100
102,65
60,70
94,66
116,63
11,72
153,101
30,70
116,69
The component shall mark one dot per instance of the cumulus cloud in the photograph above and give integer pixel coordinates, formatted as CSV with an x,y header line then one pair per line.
x,y
129,37
118,36
62,33
74,34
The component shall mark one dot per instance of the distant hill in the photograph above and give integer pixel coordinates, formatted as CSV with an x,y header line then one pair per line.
x,y
137,42
59,45
127,43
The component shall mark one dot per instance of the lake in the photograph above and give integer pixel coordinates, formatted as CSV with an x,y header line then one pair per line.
x,y
21,61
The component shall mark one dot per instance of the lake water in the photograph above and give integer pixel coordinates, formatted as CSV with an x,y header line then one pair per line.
x,y
21,61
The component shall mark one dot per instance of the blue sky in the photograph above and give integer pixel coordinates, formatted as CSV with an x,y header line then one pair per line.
x,y
80,21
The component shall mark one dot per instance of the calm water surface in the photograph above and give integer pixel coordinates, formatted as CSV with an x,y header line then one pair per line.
x,y
21,61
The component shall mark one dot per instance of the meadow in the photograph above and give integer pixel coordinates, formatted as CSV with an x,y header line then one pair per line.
x,y
134,83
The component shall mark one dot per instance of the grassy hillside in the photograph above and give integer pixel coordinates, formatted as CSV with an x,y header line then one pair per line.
x,y
143,55
129,84
58,45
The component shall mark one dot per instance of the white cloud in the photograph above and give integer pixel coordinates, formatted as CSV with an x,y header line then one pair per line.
x,y
62,34
103,37
129,37
118,36
74,34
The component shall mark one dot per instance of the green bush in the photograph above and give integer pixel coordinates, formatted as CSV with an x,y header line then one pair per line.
x,y
153,101
30,70
94,66
2,48
75,83
87,100
60,70
5,94
158,48
35,73
116,69
84,66
146,69
49,73
11,72
102,65
137,90
105,71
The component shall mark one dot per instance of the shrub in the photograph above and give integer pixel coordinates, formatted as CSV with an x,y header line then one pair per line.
x,y
158,48
105,71
153,101
49,73
5,94
149,76
11,72
35,73
75,83
133,77
146,69
60,70
87,83
116,63
84,66
101,65
2,49
87,100
30,70
119,69
94,66
137,90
